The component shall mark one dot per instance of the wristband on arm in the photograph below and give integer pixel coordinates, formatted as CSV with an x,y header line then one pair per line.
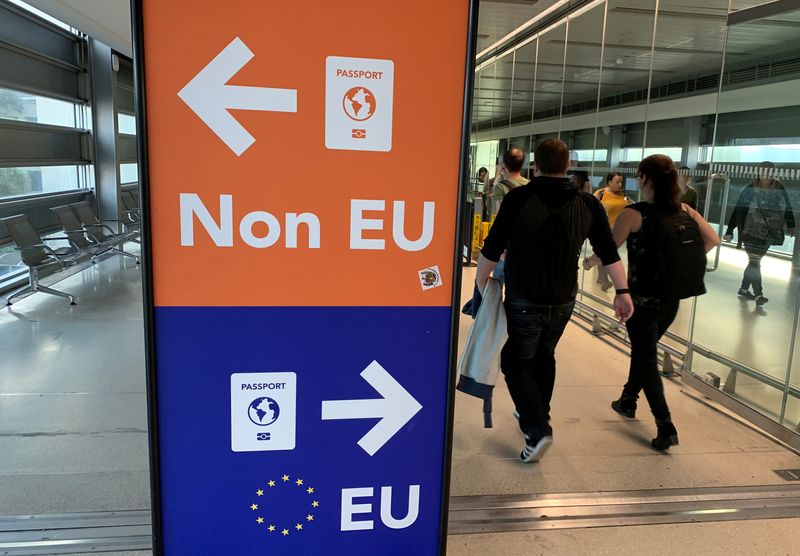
x,y
623,290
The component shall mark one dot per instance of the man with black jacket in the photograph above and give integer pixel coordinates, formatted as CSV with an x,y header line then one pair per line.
x,y
542,226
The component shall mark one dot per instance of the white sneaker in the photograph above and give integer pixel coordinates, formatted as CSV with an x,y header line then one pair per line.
x,y
536,447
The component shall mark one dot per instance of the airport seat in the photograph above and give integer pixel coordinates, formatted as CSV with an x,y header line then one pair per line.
x,y
37,256
133,216
76,234
102,233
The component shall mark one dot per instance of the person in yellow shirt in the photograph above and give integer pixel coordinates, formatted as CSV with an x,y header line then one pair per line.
x,y
614,200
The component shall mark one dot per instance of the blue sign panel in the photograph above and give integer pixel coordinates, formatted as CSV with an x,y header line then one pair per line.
x,y
326,493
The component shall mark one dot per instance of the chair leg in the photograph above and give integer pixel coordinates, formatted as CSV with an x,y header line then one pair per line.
x,y
119,251
22,291
51,291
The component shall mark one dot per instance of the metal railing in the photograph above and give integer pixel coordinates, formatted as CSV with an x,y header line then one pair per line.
x,y
691,348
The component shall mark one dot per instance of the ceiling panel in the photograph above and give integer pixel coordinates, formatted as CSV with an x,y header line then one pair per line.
x,y
108,21
496,18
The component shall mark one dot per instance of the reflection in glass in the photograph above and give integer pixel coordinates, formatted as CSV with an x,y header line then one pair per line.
x,y
128,173
754,292
15,182
126,124
27,107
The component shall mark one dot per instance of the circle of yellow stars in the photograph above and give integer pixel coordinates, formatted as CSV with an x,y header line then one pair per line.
x,y
297,527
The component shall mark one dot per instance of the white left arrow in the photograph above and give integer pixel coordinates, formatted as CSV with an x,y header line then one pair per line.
x,y
211,99
395,408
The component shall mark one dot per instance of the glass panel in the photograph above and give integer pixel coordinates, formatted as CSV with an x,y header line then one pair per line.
x,y
524,74
625,70
792,417
755,144
549,82
503,90
27,107
126,124
582,70
626,74
534,59
128,173
687,57
15,182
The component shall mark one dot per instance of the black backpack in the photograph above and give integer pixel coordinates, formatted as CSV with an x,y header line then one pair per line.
x,y
680,265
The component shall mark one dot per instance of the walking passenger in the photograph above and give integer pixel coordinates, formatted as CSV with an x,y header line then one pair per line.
x,y
613,199
667,246
578,178
513,160
762,211
542,227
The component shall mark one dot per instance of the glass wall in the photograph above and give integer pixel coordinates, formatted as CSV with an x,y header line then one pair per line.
x,y
754,290
619,80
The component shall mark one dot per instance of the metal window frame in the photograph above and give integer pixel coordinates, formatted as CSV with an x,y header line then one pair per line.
x,y
776,7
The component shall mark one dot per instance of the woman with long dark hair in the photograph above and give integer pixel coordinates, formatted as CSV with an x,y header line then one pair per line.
x,y
655,301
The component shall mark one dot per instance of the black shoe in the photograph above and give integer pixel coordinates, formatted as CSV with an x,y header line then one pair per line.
x,y
625,405
745,294
536,444
760,300
667,436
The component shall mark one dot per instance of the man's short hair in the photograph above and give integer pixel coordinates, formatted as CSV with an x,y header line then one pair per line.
x,y
552,156
513,159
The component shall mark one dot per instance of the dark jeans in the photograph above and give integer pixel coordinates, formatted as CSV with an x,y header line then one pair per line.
x,y
645,328
752,273
528,358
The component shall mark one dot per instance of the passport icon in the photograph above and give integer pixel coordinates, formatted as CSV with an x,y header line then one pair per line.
x,y
263,411
359,91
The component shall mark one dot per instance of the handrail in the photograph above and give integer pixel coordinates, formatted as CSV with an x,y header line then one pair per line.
x,y
705,352
725,192
761,376
664,347
670,335
26,199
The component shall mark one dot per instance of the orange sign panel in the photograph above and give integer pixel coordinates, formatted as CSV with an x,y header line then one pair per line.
x,y
296,168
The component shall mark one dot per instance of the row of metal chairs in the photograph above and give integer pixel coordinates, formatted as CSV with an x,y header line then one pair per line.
x,y
86,234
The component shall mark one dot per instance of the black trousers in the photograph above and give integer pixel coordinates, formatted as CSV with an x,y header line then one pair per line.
x,y
645,329
528,359
752,273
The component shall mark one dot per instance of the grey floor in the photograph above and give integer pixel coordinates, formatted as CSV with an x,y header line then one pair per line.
x,y
597,450
73,418
73,431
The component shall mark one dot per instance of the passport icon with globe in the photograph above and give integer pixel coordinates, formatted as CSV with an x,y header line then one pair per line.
x,y
359,102
263,411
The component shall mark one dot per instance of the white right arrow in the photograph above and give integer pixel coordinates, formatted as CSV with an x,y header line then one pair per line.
x,y
210,98
395,408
